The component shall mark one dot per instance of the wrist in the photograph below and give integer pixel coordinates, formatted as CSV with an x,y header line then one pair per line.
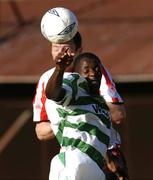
x,y
59,70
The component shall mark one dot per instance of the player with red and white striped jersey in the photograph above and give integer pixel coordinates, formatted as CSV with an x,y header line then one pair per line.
x,y
107,90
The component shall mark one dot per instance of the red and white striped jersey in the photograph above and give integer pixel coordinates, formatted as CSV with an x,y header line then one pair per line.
x,y
107,90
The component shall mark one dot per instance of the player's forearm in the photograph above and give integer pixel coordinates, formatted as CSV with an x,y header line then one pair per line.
x,y
45,137
54,88
44,131
118,113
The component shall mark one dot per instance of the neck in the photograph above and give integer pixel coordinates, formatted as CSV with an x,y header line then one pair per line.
x,y
94,92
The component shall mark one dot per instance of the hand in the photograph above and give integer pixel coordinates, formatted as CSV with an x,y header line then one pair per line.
x,y
65,60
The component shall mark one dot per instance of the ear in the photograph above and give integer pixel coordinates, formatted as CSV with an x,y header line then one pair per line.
x,y
80,50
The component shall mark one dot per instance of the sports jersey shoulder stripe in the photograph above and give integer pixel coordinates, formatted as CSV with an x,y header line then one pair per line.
x,y
43,114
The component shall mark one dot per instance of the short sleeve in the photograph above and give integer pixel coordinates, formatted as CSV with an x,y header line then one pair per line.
x,y
108,89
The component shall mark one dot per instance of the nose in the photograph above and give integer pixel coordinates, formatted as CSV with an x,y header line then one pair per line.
x,y
92,73
60,51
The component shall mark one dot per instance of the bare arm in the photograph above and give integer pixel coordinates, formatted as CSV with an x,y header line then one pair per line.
x,y
54,88
118,112
53,91
44,131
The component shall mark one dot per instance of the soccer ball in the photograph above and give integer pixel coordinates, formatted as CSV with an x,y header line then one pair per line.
x,y
59,25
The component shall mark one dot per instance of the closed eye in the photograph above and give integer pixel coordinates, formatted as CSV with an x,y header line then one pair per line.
x,y
97,69
86,70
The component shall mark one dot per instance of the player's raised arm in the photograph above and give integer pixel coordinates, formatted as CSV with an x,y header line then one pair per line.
x,y
54,88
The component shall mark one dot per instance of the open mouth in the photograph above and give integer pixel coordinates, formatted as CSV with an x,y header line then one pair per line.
x,y
93,81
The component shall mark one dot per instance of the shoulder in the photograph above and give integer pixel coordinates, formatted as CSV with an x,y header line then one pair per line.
x,y
45,76
73,77
75,82
42,82
47,73
68,75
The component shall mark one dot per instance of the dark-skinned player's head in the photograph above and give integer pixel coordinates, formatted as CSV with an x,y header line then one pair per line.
x,y
88,65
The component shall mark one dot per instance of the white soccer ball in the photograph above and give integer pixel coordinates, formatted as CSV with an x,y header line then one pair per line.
x,y
59,25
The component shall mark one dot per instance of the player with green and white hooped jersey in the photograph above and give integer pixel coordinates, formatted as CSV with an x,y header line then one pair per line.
x,y
81,123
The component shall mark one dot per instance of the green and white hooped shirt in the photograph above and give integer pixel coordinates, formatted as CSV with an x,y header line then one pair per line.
x,y
79,120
